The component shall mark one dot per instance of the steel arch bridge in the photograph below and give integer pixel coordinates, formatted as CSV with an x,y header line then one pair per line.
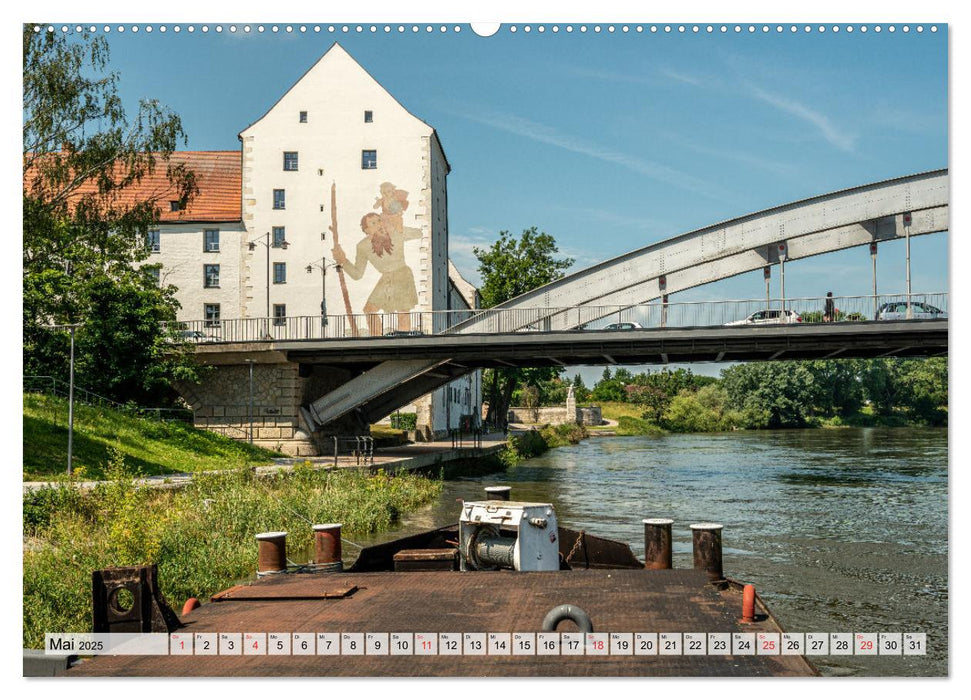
x,y
884,211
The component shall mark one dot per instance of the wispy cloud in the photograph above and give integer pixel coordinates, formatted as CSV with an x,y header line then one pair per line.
x,y
730,154
843,140
610,76
567,142
680,77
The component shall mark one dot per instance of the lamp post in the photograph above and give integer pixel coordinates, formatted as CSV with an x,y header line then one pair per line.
x,y
250,363
322,265
70,396
268,243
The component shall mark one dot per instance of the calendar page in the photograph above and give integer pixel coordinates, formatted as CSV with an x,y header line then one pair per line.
x,y
420,348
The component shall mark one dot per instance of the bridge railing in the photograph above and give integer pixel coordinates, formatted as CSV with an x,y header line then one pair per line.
x,y
682,314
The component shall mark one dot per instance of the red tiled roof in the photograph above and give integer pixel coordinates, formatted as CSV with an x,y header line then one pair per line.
x,y
218,177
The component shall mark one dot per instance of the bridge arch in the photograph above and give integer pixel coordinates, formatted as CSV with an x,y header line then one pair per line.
x,y
888,210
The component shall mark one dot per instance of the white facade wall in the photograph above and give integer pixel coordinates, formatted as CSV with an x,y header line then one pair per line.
x,y
183,258
335,93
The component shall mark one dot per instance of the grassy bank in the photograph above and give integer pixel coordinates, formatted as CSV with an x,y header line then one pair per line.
x,y
149,447
201,536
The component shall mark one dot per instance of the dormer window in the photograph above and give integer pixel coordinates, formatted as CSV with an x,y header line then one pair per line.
x,y
174,205
368,116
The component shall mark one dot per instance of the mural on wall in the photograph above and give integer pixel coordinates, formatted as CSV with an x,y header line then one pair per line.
x,y
383,247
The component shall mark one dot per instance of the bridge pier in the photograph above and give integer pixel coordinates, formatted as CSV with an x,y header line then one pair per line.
x,y
220,402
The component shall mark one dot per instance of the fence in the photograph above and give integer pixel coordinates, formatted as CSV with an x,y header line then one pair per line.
x,y
686,314
360,447
42,384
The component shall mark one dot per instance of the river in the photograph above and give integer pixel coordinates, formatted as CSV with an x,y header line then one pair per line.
x,y
840,530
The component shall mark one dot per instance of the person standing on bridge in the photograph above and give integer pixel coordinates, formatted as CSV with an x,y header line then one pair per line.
x,y
829,311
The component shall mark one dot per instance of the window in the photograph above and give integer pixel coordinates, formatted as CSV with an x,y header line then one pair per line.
x,y
279,199
154,274
279,273
211,240
210,276
279,314
212,314
303,117
154,241
174,205
368,116
279,236
289,160
369,160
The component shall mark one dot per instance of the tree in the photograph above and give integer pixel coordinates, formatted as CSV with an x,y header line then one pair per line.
x,y
509,267
85,220
771,394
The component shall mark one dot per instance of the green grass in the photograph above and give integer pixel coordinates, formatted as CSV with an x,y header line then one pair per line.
x,y
626,426
615,410
201,536
149,447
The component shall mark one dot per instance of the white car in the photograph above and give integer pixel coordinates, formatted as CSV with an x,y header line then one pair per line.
x,y
768,316
897,311
622,326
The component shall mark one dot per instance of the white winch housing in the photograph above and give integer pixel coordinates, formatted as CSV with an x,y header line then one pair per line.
x,y
508,535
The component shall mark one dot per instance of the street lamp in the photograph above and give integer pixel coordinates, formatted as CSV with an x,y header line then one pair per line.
x,y
250,363
322,265
70,395
268,244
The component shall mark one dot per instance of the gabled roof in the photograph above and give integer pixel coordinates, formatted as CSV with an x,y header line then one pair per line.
x,y
336,50
464,287
218,177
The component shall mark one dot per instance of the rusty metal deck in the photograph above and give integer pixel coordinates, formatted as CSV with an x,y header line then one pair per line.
x,y
501,601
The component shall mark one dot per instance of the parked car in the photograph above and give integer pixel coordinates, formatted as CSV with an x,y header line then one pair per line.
x,y
187,336
768,316
528,329
622,326
897,311
402,334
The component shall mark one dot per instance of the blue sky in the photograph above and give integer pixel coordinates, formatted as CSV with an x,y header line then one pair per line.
x,y
611,141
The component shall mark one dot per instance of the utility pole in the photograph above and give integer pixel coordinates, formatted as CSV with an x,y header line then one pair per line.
x,y
70,396
250,363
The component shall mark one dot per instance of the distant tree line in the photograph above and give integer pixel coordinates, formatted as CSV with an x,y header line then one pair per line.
x,y
796,394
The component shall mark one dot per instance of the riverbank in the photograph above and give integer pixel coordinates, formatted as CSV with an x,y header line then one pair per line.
x,y
201,536
101,435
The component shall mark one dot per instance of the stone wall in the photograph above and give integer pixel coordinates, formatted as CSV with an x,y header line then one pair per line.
x,y
221,403
556,415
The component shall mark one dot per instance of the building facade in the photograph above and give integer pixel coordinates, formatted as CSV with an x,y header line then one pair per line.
x,y
333,213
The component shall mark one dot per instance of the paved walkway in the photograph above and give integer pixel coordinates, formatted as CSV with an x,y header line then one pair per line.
x,y
404,457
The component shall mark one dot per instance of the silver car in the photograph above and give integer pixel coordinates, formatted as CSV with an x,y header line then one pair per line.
x,y
897,311
768,316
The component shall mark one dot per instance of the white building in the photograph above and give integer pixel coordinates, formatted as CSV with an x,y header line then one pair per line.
x,y
258,241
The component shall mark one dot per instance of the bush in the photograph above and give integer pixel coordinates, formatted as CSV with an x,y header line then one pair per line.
x,y
404,421
628,425
563,434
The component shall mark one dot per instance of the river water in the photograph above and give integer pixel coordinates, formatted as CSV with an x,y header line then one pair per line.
x,y
840,530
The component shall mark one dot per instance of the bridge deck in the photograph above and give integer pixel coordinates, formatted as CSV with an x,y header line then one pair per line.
x,y
641,346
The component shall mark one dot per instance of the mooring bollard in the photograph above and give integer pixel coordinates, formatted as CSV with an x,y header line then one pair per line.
x,y
706,542
498,493
748,603
327,547
273,553
657,543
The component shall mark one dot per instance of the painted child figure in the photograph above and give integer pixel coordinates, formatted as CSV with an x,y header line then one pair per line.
x,y
392,203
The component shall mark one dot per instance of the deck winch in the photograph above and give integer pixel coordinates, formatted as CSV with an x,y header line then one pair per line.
x,y
508,535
